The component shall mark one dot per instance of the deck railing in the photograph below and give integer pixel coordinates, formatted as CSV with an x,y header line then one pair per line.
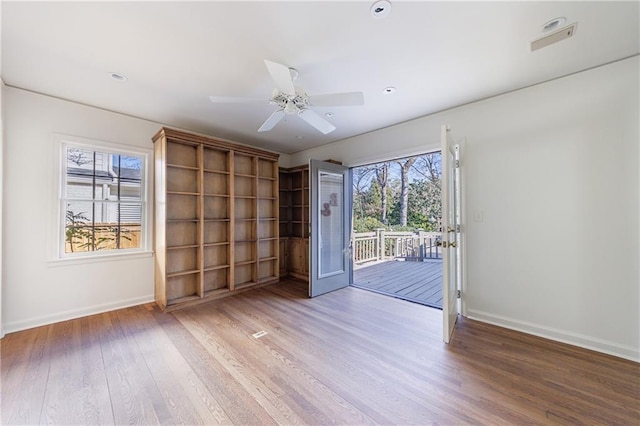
x,y
384,245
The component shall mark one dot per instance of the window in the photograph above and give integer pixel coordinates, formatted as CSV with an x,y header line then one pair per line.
x,y
102,201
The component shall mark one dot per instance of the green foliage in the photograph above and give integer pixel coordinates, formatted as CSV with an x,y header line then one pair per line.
x,y
367,224
76,230
424,206
400,228
80,235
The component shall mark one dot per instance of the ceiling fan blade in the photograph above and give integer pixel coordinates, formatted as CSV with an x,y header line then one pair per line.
x,y
337,99
316,121
281,76
272,120
235,100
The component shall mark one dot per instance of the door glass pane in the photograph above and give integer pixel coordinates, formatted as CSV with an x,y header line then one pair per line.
x,y
452,222
331,224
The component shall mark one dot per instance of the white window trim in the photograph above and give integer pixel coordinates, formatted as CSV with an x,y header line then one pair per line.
x,y
58,256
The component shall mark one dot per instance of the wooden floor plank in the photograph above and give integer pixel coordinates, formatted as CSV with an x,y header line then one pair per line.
x,y
312,350
344,379
348,357
134,395
24,377
235,356
187,398
236,401
76,391
313,400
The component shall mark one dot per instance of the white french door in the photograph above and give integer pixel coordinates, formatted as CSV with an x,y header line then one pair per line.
x,y
451,236
330,204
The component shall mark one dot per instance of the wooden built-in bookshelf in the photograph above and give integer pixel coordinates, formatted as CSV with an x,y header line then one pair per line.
x,y
294,222
216,218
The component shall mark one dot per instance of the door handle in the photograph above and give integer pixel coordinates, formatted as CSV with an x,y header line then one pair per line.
x,y
445,244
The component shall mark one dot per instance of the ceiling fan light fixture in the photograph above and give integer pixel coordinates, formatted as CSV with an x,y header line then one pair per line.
x,y
290,108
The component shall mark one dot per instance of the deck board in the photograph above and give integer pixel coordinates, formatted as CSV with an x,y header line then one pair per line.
x,y
419,282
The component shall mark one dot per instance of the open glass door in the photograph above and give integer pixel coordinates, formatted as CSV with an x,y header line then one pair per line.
x,y
451,247
330,203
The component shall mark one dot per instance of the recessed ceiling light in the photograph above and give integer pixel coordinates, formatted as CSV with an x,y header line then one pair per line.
x,y
381,9
553,24
328,114
389,90
117,76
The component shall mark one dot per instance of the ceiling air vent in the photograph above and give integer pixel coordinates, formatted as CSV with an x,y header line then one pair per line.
x,y
554,37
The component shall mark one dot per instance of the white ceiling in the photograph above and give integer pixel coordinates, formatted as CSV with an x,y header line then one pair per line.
x,y
176,54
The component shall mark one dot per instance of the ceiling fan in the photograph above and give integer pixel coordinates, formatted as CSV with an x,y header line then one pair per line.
x,y
293,100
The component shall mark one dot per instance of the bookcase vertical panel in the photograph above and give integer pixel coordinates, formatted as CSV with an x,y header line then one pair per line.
x,y
268,221
216,227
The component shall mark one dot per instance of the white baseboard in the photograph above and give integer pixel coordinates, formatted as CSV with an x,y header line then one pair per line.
x,y
11,327
587,342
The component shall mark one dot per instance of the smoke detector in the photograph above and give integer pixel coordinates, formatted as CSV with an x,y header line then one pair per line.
x,y
381,9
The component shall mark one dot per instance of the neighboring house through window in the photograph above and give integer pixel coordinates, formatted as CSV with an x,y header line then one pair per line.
x,y
102,200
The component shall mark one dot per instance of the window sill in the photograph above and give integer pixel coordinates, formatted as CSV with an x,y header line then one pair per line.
x,y
114,257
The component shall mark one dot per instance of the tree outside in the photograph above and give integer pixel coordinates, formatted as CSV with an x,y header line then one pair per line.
x,y
398,195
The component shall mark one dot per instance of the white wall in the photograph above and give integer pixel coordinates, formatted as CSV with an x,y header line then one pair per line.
x,y
35,290
554,169
1,198
1,175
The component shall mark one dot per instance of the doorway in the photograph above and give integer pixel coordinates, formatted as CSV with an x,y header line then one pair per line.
x,y
397,212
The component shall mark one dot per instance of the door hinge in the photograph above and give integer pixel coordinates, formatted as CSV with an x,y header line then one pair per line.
x,y
457,164
458,294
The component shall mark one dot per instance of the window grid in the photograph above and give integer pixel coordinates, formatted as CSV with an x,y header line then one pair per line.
x,y
101,233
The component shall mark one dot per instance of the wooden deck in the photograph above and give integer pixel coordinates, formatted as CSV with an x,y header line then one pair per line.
x,y
419,282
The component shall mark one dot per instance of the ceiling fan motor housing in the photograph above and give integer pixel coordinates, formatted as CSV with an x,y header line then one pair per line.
x,y
291,104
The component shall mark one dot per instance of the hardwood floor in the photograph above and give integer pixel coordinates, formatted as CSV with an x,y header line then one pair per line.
x,y
348,357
